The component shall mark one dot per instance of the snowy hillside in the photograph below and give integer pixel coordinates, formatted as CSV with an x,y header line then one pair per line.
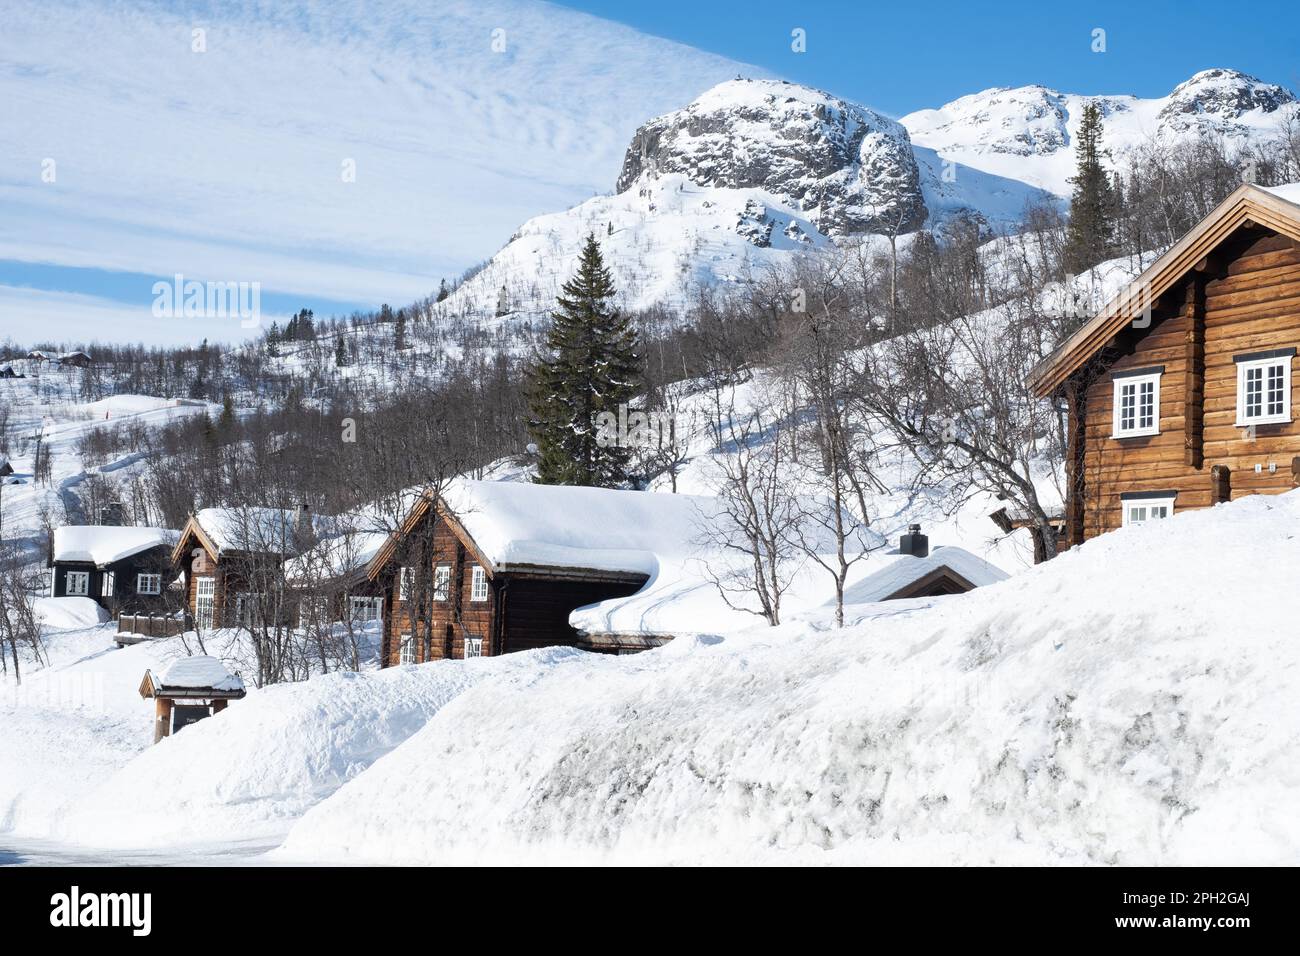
x,y
1089,711
753,171
1026,133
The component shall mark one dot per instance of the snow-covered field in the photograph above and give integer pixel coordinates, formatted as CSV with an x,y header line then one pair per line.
x,y
1129,703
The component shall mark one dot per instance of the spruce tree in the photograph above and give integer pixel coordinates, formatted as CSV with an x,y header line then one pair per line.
x,y
1090,237
340,352
590,366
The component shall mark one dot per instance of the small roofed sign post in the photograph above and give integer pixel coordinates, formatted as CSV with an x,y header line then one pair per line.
x,y
191,689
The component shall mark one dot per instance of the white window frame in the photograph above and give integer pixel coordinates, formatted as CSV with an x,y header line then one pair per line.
x,y
107,583
365,608
478,587
442,582
313,609
81,589
405,581
1146,506
1263,364
142,582
406,650
473,647
205,601
1121,382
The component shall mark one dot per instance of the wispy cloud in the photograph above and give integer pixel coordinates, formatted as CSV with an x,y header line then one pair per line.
x,y
460,120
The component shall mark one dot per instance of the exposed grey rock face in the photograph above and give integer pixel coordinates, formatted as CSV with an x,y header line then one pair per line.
x,y
850,169
1214,100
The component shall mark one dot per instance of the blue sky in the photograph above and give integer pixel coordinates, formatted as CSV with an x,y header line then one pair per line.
x,y
225,165
902,56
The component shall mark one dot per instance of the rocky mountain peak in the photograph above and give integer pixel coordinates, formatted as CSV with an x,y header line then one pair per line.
x,y
851,169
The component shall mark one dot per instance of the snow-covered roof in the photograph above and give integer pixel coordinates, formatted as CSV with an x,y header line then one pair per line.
x,y
520,523
200,672
344,553
684,598
892,572
1290,192
252,529
106,544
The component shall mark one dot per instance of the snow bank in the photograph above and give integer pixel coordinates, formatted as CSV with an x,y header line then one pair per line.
x,y
68,613
250,771
1132,702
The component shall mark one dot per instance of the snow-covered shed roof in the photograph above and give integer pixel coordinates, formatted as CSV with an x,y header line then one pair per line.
x,y
197,676
892,573
102,545
515,524
684,597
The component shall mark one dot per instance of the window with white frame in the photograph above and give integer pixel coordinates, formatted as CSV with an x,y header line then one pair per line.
x,y
148,584
478,589
248,608
77,583
442,582
1136,403
205,595
405,583
473,647
1264,387
1147,507
365,608
406,654
314,609
107,583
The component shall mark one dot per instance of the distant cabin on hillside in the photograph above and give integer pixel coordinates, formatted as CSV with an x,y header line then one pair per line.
x,y
6,469
124,570
40,355
231,560
8,372
76,359
1192,403
490,567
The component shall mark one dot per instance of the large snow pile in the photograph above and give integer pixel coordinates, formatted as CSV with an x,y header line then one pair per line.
x,y
66,613
1131,702
248,772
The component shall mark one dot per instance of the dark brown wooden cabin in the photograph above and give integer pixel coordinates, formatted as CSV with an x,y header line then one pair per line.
x,y
122,578
222,567
444,598
1193,403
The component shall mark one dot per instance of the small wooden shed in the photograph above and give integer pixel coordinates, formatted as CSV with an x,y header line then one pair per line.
x,y
193,688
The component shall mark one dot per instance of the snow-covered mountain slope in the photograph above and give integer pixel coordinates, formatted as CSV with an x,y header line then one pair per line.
x,y
754,170
1027,132
740,178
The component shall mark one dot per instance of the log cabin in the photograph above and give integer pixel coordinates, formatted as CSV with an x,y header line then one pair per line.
x,y
232,560
124,570
482,568
1179,393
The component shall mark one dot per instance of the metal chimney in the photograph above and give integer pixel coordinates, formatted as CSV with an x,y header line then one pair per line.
x,y
914,543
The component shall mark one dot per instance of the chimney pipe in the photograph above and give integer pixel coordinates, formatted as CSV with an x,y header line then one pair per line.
x,y
914,543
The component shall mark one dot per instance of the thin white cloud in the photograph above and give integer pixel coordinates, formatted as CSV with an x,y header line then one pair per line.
x,y
229,163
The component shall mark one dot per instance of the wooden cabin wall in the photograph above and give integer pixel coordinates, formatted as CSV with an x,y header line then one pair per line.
x,y
537,609
447,641
1253,306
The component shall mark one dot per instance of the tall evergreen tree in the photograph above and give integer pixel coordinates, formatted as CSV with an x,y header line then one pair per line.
x,y
340,352
591,366
1090,238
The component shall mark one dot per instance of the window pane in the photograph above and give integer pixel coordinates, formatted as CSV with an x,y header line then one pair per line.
x,y
1146,418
